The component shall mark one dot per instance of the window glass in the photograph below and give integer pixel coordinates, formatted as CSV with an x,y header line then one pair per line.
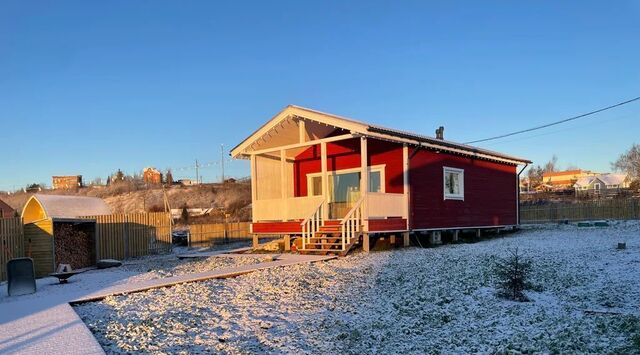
x,y
316,188
374,181
344,187
453,184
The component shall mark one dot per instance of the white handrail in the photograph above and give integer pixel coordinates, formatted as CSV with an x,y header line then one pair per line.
x,y
352,223
312,224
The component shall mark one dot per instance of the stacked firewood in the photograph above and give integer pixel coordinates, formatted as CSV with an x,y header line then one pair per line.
x,y
72,246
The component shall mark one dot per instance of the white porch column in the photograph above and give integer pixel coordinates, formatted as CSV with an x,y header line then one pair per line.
x,y
364,181
283,184
302,131
254,190
325,178
405,180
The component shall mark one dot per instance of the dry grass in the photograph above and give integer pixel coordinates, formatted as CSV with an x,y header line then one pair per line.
x,y
130,197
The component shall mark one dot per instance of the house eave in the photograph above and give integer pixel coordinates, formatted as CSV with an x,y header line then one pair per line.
x,y
373,131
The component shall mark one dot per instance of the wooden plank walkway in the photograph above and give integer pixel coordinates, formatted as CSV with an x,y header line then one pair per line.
x,y
49,325
283,260
206,254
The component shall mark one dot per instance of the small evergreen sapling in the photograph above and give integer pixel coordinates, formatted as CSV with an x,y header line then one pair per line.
x,y
512,272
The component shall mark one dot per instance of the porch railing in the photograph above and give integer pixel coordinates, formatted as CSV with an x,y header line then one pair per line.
x,y
287,209
384,205
312,223
351,224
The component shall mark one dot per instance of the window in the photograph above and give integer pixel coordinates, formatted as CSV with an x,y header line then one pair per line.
x,y
316,186
347,179
596,187
453,184
374,181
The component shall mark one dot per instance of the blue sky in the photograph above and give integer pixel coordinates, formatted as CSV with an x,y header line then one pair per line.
x,y
89,87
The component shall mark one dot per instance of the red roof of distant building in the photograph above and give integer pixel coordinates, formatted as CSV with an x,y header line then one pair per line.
x,y
566,172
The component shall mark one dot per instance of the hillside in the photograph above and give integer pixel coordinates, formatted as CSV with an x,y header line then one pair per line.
x,y
130,198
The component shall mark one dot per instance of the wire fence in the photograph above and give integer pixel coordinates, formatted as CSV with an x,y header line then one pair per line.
x,y
620,209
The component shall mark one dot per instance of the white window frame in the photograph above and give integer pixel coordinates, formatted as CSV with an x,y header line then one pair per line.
x,y
446,194
373,168
597,190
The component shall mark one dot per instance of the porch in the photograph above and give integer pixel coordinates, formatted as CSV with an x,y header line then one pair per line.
x,y
325,186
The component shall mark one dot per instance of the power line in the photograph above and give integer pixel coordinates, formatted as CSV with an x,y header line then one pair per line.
x,y
555,123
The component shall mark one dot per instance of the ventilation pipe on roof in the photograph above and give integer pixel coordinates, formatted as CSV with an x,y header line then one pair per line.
x,y
440,133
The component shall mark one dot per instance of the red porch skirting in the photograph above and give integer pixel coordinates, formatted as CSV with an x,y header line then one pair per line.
x,y
389,224
294,227
291,227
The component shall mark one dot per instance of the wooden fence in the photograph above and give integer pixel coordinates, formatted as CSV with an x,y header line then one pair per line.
x,y
121,236
581,211
205,235
12,240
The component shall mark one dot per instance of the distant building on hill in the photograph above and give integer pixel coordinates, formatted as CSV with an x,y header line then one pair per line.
x,y
66,182
564,179
187,182
152,176
6,211
601,185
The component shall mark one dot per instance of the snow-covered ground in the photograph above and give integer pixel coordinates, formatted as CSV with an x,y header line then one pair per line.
x,y
133,271
402,301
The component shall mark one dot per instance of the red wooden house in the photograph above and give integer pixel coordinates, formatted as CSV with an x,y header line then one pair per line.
x,y
334,181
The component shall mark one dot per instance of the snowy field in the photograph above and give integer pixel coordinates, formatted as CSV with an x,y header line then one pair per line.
x,y
438,300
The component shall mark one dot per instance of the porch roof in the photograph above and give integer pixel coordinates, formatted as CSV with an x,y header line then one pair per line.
x,y
359,128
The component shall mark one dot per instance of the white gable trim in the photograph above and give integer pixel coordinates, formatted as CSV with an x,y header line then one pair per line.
x,y
242,150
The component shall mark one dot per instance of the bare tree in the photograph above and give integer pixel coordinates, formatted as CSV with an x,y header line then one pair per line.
x,y
629,162
551,165
534,174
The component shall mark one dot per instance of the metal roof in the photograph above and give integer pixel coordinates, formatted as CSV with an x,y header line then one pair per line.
x,y
383,132
70,207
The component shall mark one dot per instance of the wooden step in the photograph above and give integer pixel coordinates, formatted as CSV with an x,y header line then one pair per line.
x,y
330,229
324,243
324,238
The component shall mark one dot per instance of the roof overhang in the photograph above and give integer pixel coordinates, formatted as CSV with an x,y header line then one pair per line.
x,y
73,220
358,128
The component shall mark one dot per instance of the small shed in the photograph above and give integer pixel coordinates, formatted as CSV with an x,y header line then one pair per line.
x,y
6,211
56,230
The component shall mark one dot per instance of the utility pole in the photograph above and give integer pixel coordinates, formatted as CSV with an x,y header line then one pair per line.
x,y
197,172
222,160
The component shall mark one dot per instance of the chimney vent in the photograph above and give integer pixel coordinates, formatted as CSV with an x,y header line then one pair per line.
x,y
440,133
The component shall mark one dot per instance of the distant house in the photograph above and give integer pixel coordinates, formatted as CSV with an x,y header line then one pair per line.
x,y
601,185
176,213
152,176
187,182
6,211
66,182
564,179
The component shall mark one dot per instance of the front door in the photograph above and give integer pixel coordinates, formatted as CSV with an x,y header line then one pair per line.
x,y
344,188
344,191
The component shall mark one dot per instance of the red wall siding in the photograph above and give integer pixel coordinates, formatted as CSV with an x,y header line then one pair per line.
x,y
346,155
489,192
